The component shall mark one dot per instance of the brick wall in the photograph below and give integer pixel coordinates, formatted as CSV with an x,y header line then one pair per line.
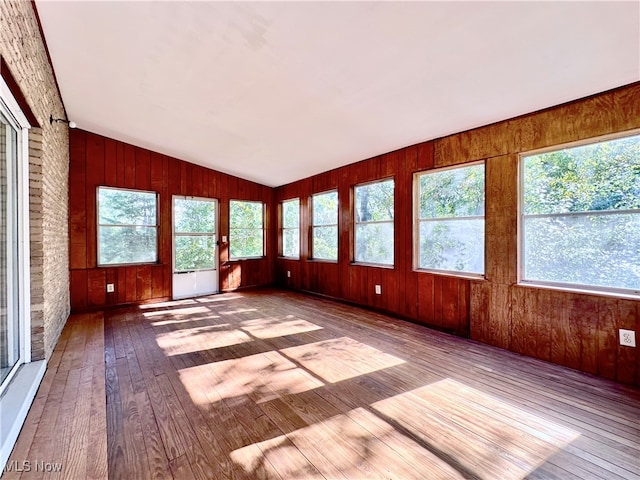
x,y
22,48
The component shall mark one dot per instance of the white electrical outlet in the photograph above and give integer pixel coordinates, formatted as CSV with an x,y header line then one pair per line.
x,y
288,273
378,290
627,338
224,239
110,288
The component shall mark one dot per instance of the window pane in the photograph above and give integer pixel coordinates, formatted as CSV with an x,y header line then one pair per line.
x,y
454,245
9,303
325,243
246,243
572,234
374,243
194,216
597,250
246,214
457,192
246,235
127,244
325,209
291,242
291,214
194,252
601,176
374,202
126,207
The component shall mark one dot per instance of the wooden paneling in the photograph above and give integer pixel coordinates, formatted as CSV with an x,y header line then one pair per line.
x,y
96,161
571,329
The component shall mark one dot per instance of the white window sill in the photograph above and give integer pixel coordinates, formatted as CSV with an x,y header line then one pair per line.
x,y
15,404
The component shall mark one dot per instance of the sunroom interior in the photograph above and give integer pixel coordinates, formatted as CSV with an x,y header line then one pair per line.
x,y
319,240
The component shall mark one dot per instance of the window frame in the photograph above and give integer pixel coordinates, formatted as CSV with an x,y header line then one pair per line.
x,y
263,229
356,223
566,286
98,225
417,221
312,226
283,228
19,205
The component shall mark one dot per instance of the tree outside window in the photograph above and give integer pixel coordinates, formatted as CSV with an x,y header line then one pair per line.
x,y
450,223
581,215
246,229
291,228
127,226
325,226
374,232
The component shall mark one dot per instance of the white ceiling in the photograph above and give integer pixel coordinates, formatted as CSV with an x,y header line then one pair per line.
x,y
275,92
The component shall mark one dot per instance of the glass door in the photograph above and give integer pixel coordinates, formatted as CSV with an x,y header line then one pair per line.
x,y
10,348
195,251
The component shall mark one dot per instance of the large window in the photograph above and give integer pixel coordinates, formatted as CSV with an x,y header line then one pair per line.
x,y
246,229
291,228
450,220
127,226
581,216
324,227
374,212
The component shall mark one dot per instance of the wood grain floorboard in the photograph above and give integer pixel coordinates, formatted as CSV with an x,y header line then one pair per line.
x,y
270,384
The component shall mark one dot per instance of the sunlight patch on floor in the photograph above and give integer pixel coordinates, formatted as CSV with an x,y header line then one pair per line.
x,y
277,326
188,340
169,304
340,358
217,298
177,312
353,445
262,377
483,435
240,310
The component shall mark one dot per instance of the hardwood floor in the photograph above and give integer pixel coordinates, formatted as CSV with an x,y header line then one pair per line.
x,y
273,385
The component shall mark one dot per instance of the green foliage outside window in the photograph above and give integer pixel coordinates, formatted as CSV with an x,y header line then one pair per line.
x,y
194,228
451,219
374,229
127,226
325,226
246,229
581,220
291,228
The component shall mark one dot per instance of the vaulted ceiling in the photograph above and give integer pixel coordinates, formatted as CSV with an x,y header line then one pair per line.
x,y
275,92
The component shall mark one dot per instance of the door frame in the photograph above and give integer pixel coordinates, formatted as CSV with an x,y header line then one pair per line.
x,y
216,257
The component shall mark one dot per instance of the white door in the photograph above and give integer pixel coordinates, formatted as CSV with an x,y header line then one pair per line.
x,y
195,250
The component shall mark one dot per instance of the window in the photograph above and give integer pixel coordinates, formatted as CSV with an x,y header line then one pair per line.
x,y
450,220
324,245
581,216
127,226
291,228
246,229
194,227
374,222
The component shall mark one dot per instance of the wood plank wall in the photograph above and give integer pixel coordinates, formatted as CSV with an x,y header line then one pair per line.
x,y
96,161
576,330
